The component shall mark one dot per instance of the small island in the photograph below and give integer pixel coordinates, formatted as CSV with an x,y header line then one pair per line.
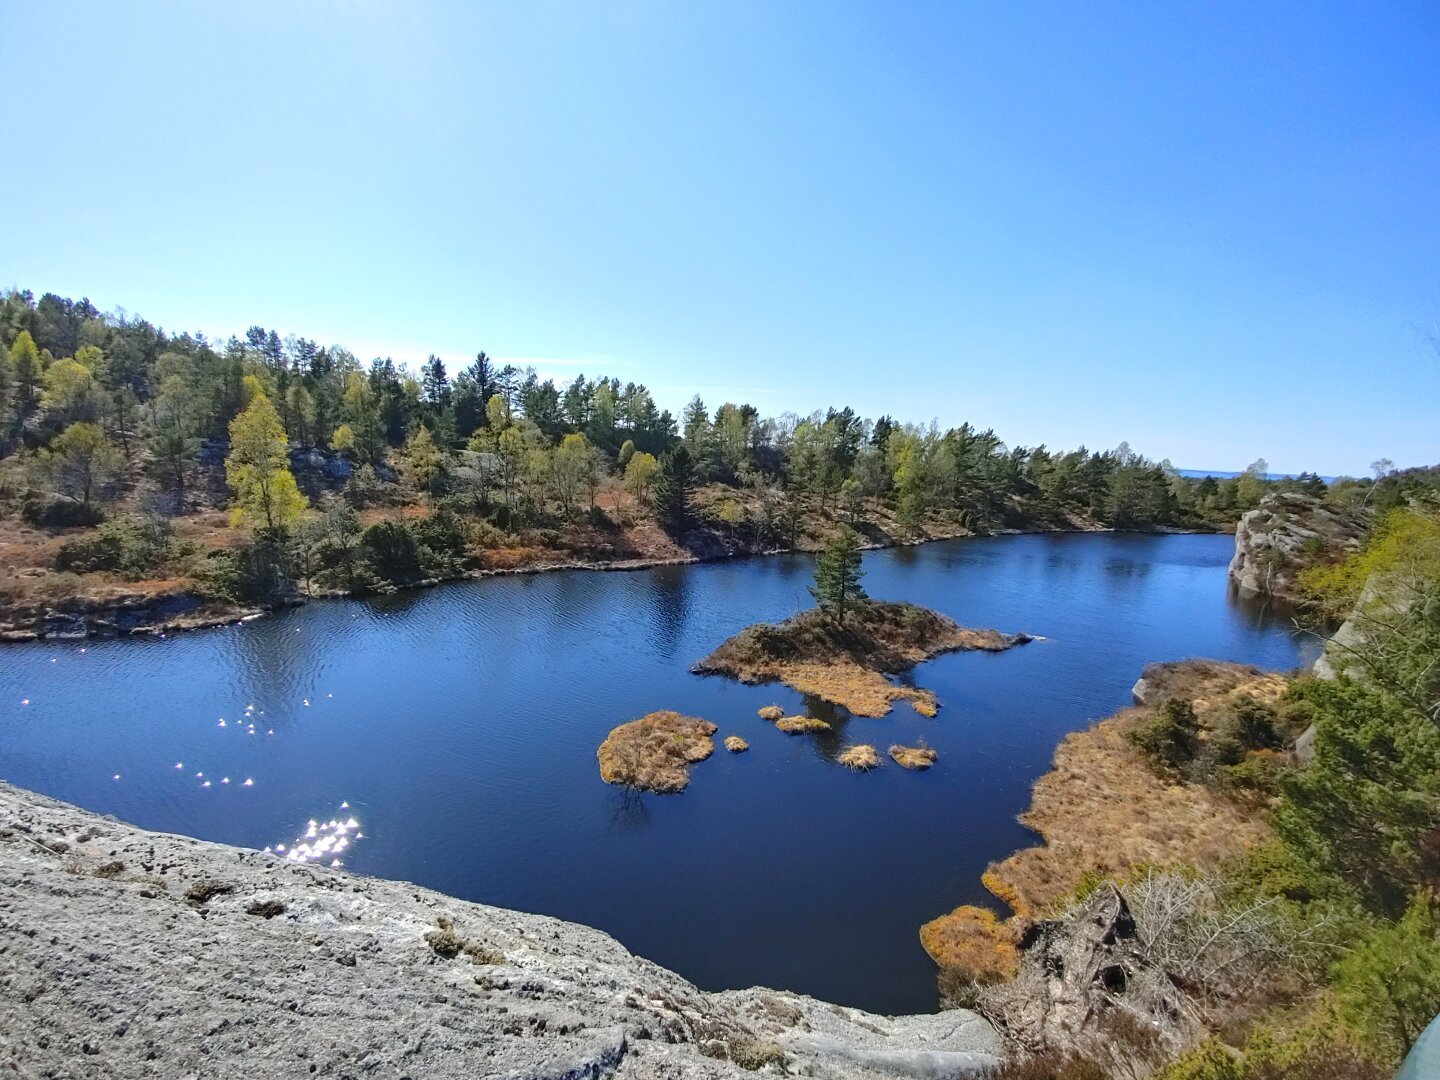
x,y
843,649
655,752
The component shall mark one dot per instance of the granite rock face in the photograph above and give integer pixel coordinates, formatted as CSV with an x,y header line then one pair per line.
x,y
126,953
1284,535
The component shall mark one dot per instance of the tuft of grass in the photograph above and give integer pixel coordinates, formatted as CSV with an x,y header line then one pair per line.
x,y
482,954
654,753
796,725
913,757
771,712
447,943
926,705
751,1053
109,869
735,744
444,940
266,909
861,756
205,890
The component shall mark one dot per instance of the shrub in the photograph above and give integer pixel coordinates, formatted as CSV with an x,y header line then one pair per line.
x,y
751,1053
1388,984
1171,738
445,941
248,575
38,510
392,552
442,536
130,546
1311,1054
1368,806
205,890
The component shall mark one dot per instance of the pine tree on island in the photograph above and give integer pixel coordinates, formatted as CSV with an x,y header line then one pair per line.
x,y
837,576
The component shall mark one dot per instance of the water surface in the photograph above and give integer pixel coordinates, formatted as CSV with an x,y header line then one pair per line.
x,y
460,723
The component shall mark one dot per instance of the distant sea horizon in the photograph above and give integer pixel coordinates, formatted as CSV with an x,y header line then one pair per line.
x,y
1221,474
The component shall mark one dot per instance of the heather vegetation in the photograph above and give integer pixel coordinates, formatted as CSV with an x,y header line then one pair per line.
x,y
285,466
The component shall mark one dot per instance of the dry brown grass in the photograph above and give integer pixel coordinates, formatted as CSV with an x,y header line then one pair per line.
x,y
860,756
735,744
974,942
913,757
926,704
771,712
848,665
1102,809
797,725
654,753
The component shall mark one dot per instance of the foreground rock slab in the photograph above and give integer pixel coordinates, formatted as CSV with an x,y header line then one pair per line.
x,y
127,954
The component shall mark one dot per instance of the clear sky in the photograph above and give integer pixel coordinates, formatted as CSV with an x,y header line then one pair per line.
x,y
1210,229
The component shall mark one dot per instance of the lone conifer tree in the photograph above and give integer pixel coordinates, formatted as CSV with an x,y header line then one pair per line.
x,y
673,488
837,576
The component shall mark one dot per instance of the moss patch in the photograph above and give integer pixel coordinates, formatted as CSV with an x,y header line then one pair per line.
x,y
654,753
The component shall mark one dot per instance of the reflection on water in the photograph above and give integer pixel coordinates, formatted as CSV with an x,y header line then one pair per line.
x,y
324,841
461,724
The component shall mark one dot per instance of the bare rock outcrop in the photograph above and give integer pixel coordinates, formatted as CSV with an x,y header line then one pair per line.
x,y
1287,533
128,954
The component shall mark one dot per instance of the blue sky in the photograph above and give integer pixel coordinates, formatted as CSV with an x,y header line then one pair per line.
x,y
1210,229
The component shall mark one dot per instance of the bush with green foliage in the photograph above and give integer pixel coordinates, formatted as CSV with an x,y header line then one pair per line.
x,y
444,541
1388,984
1311,1054
1171,737
132,547
1367,808
392,552
59,513
255,574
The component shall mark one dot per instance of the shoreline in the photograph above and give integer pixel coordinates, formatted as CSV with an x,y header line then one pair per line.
x,y
128,618
1101,809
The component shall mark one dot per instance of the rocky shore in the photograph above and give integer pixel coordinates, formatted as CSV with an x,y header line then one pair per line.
x,y
128,954
1287,534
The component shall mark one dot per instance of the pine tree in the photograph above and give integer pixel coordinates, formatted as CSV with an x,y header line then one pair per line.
x,y
674,487
837,576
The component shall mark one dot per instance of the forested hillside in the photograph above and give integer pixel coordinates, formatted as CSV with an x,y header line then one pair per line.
x,y
246,471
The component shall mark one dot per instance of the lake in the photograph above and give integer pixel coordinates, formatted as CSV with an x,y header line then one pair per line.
x,y
458,726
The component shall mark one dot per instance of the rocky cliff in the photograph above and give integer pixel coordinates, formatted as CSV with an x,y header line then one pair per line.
x,y
1287,533
126,953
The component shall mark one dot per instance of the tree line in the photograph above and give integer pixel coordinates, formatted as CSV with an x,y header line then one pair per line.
x,y
96,405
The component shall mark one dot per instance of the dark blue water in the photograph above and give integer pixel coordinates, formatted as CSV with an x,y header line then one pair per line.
x,y
460,725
